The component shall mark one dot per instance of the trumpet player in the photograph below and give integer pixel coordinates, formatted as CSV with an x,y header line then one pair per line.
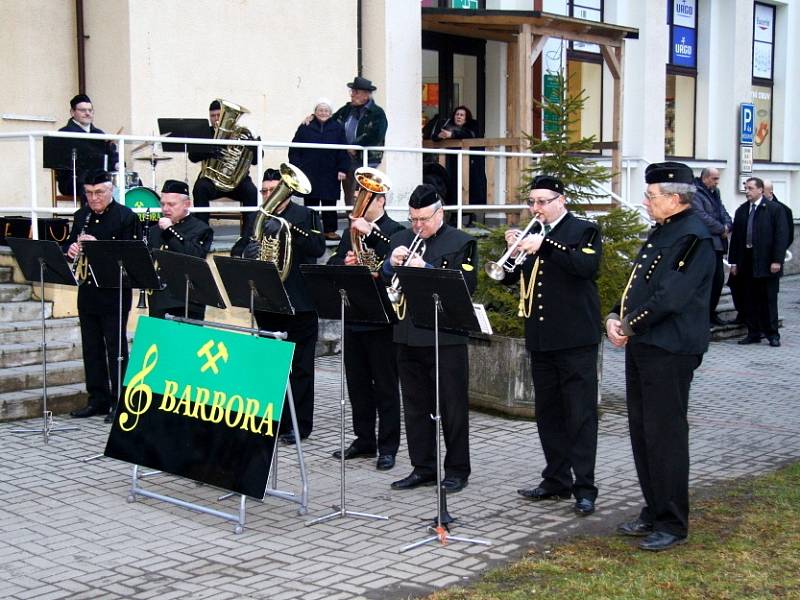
x,y
178,231
98,309
561,306
450,248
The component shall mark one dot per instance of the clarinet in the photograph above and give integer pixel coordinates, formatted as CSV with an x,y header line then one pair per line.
x,y
143,293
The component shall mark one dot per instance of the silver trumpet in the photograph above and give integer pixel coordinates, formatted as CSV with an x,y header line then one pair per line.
x,y
393,291
509,261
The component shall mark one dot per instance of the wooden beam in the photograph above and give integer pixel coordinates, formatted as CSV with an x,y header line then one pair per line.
x,y
537,48
616,127
611,61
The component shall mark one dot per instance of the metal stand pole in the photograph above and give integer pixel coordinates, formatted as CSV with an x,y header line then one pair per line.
x,y
343,512
441,530
47,416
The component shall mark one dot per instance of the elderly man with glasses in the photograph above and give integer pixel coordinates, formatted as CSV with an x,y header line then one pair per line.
x,y
561,306
447,248
662,321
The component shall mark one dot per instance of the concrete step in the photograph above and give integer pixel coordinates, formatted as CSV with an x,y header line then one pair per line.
x,y
16,355
26,377
64,330
5,274
15,292
26,404
11,312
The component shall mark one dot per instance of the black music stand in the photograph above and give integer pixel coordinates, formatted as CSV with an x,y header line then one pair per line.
x,y
350,294
73,154
185,128
438,299
42,261
190,277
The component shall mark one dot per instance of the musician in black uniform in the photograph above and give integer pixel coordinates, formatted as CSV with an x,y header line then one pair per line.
x,y
178,231
561,307
205,190
450,248
369,354
662,321
81,120
302,327
98,309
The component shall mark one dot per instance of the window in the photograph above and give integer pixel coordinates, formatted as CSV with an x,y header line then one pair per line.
x,y
763,62
588,10
587,76
679,108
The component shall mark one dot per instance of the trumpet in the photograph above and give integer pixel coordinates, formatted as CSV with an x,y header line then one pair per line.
x,y
509,261
80,264
394,291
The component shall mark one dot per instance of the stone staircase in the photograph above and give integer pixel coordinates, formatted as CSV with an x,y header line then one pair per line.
x,y
21,355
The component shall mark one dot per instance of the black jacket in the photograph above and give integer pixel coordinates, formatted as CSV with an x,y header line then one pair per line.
x,y
117,222
449,248
665,303
708,206
307,247
97,147
565,309
770,237
321,166
371,129
789,220
190,236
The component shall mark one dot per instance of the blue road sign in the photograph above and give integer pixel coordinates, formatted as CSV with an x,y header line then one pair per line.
x,y
747,119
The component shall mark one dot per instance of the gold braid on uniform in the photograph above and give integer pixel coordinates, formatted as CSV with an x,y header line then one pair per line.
x,y
526,292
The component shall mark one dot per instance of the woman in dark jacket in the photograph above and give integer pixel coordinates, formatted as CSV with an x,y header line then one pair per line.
x,y
461,125
324,168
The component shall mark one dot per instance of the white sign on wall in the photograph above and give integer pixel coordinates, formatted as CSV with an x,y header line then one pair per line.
x,y
683,13
763,23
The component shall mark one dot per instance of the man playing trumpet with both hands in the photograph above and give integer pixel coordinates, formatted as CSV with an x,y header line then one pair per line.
x,y
556,266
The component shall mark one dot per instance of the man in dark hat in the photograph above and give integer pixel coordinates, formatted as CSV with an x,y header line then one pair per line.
x,y
364,124
98,308
662,320
302,327
205,190
448,248
178,231
81,120
561,306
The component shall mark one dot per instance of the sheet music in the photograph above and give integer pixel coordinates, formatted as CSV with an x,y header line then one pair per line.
x,y
483,318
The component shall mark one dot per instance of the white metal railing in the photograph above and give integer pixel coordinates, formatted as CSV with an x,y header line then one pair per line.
x,y
35,210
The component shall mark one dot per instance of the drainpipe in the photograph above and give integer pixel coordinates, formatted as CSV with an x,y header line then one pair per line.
x,y
81,47
359,55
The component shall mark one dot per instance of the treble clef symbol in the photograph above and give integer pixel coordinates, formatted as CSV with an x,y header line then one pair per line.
x,y
138,395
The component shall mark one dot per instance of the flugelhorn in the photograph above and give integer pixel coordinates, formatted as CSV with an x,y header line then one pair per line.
x,y
371,183
509,261
394,291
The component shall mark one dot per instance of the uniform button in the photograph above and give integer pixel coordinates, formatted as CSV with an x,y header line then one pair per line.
x,y
540,283
644,255
649,245
538,295
541,318
541,307
638,266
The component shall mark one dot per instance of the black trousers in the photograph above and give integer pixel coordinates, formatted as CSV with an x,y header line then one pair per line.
x,y
302,328
99,337
205,191
416,366
658,383
330,220
565,384
759,299
370,360
717,283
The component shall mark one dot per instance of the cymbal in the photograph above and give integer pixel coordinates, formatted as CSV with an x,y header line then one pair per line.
x,y
153,158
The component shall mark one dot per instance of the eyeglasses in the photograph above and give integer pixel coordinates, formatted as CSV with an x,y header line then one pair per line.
x,y
421,220
86,110
651,197
544,202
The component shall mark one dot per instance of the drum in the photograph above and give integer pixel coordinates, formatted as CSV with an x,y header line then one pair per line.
x,y
143,198
132,179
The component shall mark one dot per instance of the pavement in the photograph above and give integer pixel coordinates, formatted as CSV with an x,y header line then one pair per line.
x,y
68,531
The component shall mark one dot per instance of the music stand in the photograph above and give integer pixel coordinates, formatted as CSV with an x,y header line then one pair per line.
x,y
350,294
184,128
188,276
44,261
72,154
438,299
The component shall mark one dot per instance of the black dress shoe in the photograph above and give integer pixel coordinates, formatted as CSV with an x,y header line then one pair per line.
x,y
636,528
750,339
584,507
414,480
87,411
289,439
451,485
715,320
540,493
109,418
385,462
661,540
774,342
353,451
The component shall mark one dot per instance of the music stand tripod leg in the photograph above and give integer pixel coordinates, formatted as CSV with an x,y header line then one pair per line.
x,y
343,512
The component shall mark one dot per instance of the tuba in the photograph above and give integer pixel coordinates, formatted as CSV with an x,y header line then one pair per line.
x,y
371,182
228,170
277,247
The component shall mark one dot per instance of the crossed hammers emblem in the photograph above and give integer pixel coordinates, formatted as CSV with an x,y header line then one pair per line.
x,y
205,351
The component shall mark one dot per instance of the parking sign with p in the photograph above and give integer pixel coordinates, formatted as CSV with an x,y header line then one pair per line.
x,y
747,118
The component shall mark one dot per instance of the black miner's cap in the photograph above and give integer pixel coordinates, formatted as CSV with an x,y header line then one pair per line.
x,y
173,186
423,195
547,182
668,172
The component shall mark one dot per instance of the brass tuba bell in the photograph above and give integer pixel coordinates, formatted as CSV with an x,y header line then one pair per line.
x,y
277,248
233,163
371,182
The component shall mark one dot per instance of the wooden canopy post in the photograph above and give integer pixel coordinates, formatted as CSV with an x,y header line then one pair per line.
x,y
613,57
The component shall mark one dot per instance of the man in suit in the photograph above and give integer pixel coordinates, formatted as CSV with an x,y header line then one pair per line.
x,y
562,332
178,231
758,248
369,354
769,194
662,322
449,248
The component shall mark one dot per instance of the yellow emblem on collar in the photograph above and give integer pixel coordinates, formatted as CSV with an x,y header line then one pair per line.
x,y
588,250
467,267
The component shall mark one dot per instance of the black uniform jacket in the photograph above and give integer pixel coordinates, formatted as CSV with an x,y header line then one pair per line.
x,y
117,222
190,236
789,220
770,237
565,309
108,148
307,246
665,303
448,248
